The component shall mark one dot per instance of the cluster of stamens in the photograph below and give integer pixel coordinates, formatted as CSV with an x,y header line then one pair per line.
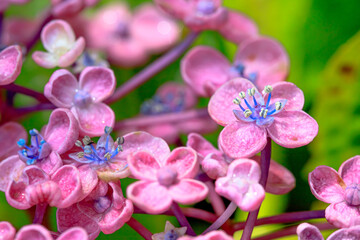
x,y
160,105
238,70
36,151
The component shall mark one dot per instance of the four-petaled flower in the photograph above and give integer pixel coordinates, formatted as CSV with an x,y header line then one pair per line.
x,y
307,231
170,232
10,64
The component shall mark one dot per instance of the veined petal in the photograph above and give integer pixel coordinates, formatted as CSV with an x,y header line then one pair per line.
x,y
143,165
307,231
350,170
346,233
188,191
10,64
290,92
341,214
184,161
200,145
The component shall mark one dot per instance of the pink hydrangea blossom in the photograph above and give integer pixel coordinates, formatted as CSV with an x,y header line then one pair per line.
x,y
213,235
170,232
84,98
252,120
129,39
340,189
215,164
261,60
10,64
10,133
4,4
164,177
61,8
105,208
62,48
307,231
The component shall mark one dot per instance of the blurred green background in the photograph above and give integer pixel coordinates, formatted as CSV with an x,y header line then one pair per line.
x,y
322,39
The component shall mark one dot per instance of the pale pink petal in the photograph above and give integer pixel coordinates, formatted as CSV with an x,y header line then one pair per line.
x,y
307,231
94,118
188,191
239,139
7,231
10,133
221,104
149,196
326,184
292,129
73,53
244,169
346,233
202,65
10,64
45,60
350,170
341,214
75,233
33,232
128,53
143,165
244,26
149,21
51,163
214,165
62,130
89,180
115,170
61,88
202,146
290,92
99,82
184,161
57,34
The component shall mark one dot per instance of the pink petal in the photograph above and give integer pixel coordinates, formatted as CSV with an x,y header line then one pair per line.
x,y
341,214
244,169
346,233
117,169
149,21
94,118
20,30
202,146
7,231
184,161
244,26
167,131
176,8
89,180
33,232
143,165
10,133
45,60
51,163
149,196
292,129
239,139
99,82
73,53
57,33
75,233
326,184
45,192
61,88
10,64
202,65
213,21
178,90
188,191
62,130
129,53
307,231
221,103
214,165
350,170
203,125
290,92
66,8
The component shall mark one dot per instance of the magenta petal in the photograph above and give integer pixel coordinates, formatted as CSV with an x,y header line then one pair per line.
x,y
61,88
99,82
184,161
176,8
292,129
326,184
239,139
11,169
290,92
75,233
200,145
33,232
94,118
62,130
221,103
346,233
51,163
66,8
7,231
45,192
15,195
188,191
202,65
127,53
350,170
214,165
10,64
10,133
143,165
88,178
307,231
149,196
341,214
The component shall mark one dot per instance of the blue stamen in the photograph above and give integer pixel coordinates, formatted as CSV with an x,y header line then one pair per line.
x,y
33,132
107,142
37,140
21,142
255,103
272,112
268,100
241,107
248,105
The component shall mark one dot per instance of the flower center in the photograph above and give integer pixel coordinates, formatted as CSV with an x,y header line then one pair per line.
x,y
171,235
102,204
352,195
167,104
38,150
82,99
238,70
205,7
240,183
122,31
255,108
167,176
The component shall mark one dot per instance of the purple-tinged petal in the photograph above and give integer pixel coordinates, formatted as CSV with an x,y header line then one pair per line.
x,y
188,191
177,90
57,34
346,233
292,129
238,139
44,59
350,170
143,165
202,146
166,131
33,232
149,196
202,65
10,64
307,231
341,214
73,53
10,133
11,169
326,184
184,161
221,103
51,163
99,82
7,231
62,130
75,233
240,116
214,165
201,125
290,92
213,21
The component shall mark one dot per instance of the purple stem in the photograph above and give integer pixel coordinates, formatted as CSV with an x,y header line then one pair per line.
x,y
12,113
215,200
264,165
152,69
26,91
40,213
182,219
1,26
222,219
139,228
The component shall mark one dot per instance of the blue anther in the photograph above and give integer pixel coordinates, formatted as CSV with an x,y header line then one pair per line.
x,y
33,132
268,100
252,77
21,142
240,69
87,149
42,142
107,130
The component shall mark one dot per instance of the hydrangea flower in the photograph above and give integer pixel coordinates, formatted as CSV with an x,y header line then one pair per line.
x,y
84,98
61,8
340,189
275,113
215,164
170,232
307,231
213,235
105,209
62,48
261,60
10,133
4,4
10,64
164,177
128,39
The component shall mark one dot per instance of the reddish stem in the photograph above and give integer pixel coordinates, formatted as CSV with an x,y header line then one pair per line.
x,y
26,91
139,228
182,219
40,213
